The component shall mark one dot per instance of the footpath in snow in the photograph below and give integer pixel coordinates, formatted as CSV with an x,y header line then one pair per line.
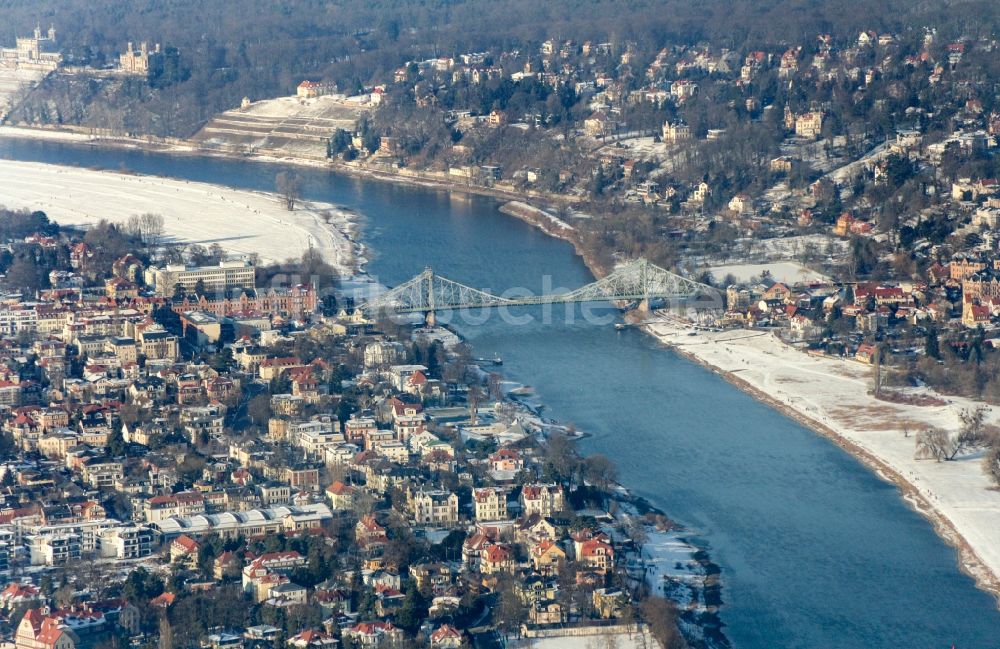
x,y
833,397
242,222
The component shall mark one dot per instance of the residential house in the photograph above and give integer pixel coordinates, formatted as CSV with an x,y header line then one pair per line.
x,y
38,630
340,496
184,503
608,602
597,555
446,637
369,535
496,558
437,507
435,577
269,571
312,639
490,504
184,550
374,634
546,557
542,499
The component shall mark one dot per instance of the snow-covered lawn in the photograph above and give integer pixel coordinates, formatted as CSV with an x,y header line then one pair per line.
x,y
842,175
787,272
242,222
785,247
834,393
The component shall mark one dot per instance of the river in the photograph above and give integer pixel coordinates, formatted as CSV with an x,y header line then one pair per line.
x,y
815,551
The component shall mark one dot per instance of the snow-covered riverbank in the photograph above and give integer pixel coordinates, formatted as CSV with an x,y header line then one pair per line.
x,y
242,222
832,397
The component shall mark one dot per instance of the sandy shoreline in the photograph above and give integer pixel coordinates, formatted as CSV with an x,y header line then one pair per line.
x,y
954,496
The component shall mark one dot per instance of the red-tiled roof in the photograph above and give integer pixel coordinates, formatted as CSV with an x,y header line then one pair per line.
x,y
186,542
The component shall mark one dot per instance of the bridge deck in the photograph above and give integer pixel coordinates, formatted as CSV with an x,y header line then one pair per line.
x,y
636,280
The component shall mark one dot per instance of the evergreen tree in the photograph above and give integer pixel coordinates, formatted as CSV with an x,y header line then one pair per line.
x,y
116,443
931,346
411,614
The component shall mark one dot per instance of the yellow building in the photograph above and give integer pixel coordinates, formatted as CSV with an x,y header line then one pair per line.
x,y
138,62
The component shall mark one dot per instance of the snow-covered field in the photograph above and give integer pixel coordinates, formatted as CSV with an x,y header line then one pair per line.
x,y
832,394
787,272
242,222
786,247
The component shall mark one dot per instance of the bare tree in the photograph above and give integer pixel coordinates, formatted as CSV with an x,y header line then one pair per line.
x,y
259,409
65,595
561,456
149,227
474,396
507,412
991,464
289,187
600,471
166,640
338,473
510,611
933,443
972,434
495,386
661,616
636,528
878,370
152,228
131,226
362,503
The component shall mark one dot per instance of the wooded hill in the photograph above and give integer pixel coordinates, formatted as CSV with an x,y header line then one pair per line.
x,y
263,48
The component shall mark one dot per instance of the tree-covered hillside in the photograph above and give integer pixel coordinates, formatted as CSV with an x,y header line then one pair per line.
x,y
262,48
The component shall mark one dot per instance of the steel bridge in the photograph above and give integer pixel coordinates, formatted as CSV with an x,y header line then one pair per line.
x,y
636,280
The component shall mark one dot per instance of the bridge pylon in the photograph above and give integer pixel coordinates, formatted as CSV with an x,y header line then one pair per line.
x,y
430,316
643,306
